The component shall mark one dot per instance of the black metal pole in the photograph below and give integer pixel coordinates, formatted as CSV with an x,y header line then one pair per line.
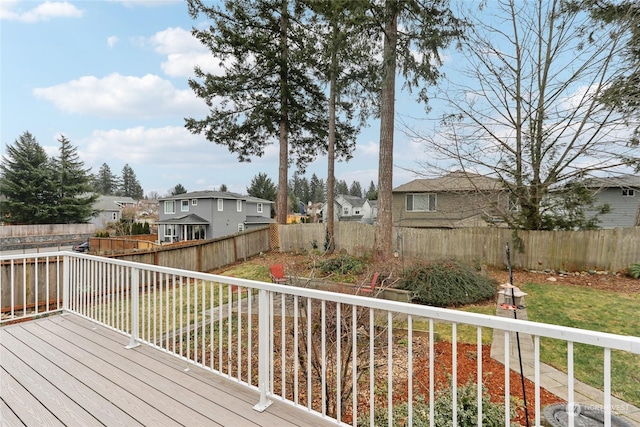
x,y
515,316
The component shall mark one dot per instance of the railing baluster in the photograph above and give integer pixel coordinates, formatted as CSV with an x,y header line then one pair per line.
x,y
454,372
134,307
296,397
607,387
339,361
263,349
283,346
536,367
323,333
507,390
390,367
239,345
431,375
372,335
410,367
570,396
35,285
479,376
354,363
309,379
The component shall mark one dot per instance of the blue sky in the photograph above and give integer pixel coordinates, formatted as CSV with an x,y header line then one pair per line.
x,y
112,77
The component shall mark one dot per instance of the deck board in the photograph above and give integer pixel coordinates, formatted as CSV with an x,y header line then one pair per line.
x,y
64,370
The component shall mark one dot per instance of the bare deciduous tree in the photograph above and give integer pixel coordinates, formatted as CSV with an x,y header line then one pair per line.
x,y
527,109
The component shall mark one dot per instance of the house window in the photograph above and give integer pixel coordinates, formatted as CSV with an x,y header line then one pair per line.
x,y
184,206
345,211
421,202
357,212
169,207
194,202
220,205
169,231
259,207
239,205
240,227
114,215
628,192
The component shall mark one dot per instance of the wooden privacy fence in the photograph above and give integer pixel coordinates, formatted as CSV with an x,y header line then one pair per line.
x,y
611,249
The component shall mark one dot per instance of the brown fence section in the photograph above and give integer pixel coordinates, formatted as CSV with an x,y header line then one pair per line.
x,y
201,255
611,250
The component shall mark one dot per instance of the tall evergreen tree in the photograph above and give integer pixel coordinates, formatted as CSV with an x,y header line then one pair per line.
x,y
105,182
316,189
75,199
262,187
342,187
266,92
130,185
178,189
355,189
426,27
372,193
27,184
347,60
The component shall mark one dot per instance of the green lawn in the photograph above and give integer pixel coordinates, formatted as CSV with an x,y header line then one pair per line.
x,y
591,309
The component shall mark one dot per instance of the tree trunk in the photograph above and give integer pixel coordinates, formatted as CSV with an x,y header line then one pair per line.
x,y
382,246
330,244
281,203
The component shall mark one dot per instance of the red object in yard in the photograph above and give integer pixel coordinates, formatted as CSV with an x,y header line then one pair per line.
x,y
372,286
277,273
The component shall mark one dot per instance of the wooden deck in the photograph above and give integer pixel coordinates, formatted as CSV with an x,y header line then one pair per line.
x,y
61,371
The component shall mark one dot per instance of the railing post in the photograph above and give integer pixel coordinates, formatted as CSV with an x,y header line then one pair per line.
x,y
65,283
134,307
263,350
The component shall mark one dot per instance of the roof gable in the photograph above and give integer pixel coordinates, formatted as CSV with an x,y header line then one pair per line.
x,y
454,181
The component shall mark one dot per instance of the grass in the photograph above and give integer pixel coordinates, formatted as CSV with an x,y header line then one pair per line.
x,y
590,309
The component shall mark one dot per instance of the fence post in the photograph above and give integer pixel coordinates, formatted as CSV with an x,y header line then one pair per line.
x,y
135,308
65,283
263,351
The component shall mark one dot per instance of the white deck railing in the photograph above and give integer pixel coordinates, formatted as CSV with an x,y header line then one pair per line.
x,y
292,344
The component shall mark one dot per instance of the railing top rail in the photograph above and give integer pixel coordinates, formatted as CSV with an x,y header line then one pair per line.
x,y
602,339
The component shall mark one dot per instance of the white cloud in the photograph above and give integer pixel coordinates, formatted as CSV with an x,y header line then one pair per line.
x,y
42,12
112,40
370,148
122,96
183,53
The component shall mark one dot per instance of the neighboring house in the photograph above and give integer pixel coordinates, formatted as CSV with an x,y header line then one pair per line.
x,y
622,194
456,200
110,209
209,214
350,208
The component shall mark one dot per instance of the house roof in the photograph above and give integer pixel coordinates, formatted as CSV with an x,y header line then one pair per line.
x,y
354,201
190,219
621,181
113,203
259,220
454,181
207,194
257,200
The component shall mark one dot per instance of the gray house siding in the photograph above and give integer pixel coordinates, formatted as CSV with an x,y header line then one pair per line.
x,y
624,209
196,215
